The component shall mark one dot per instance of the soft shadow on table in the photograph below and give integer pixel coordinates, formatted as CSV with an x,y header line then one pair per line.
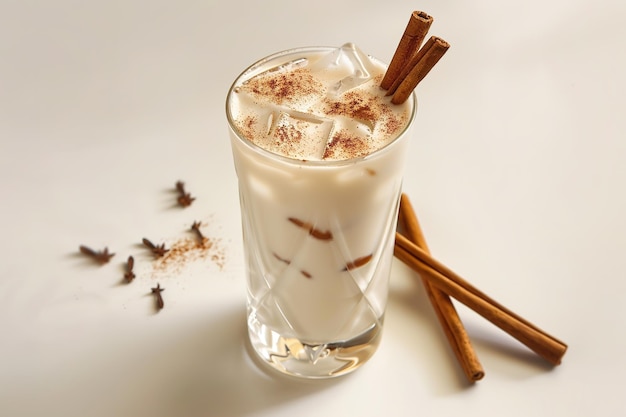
x,y
152,366
206,370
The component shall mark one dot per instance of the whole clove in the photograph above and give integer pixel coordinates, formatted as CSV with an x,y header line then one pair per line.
x,y
159,298
102,257
184,198
129,275
157,250
195,227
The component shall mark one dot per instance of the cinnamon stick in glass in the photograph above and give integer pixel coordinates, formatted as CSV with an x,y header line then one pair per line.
x,y
442,304
411,40
415,71
440,276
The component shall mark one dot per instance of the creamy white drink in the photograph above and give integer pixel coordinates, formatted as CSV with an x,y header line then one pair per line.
x,y
319,153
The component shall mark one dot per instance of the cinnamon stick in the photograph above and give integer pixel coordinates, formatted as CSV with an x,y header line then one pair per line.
x,y
419,66
411,40
545,345
442,304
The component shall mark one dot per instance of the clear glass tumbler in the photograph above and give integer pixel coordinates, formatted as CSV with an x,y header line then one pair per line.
x,y
318,241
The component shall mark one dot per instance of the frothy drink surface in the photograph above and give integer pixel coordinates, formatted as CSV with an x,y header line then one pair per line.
x,y
317,105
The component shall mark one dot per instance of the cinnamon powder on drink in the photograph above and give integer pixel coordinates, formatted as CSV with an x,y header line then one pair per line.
x,y
285,86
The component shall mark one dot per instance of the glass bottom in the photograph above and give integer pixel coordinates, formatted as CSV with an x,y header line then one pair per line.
x,y
315,361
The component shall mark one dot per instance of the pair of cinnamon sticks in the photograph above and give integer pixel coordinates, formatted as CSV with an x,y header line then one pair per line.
x,y
410,64
440,283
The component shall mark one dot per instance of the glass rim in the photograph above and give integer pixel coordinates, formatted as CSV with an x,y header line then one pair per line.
x,y
309,162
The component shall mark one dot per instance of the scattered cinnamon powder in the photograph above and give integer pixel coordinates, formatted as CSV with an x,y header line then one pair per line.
x,y
368,108
298,88
287,134
285,86
357,104
393,124
346,145
187,250
247,127
371,111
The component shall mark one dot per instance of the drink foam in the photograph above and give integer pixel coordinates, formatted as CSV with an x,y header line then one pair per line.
x,y
317,105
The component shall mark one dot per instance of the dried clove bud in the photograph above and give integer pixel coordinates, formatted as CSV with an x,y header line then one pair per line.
x,y
157,250
129,275
195,227
159,298
184,198
102,257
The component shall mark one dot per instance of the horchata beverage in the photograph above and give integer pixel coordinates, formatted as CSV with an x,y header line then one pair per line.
x,y
319,152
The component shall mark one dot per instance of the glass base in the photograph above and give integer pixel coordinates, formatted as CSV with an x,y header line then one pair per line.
x,y
315,361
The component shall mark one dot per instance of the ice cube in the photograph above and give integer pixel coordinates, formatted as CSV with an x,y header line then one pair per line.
x,y
297,134
348,58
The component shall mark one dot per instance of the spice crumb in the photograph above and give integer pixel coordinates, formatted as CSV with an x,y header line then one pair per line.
x,y
186,250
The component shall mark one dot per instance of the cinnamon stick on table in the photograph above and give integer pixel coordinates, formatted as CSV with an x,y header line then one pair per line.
x,y
440,276
411,40
415,71
442,304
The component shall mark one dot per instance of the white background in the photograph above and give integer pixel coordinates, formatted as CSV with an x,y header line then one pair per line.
x,y
517,171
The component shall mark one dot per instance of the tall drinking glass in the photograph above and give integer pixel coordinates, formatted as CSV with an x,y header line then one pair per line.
x,y
318,240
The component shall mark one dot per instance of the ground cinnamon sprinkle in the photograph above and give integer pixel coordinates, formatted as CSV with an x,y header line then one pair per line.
x,y
247,127
287,134
285,87
356,104
187,250
345,145
367,108
392,124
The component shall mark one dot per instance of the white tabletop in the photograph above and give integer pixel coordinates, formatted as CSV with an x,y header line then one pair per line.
x,y
517,172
